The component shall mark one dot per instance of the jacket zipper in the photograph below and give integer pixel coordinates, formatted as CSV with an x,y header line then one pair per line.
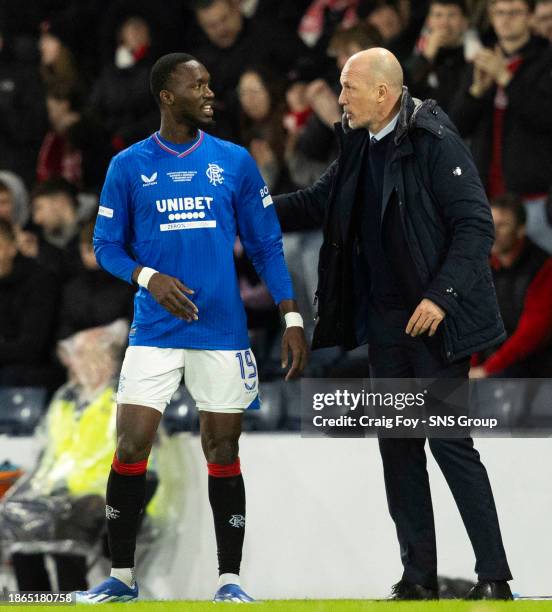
x,y
448,350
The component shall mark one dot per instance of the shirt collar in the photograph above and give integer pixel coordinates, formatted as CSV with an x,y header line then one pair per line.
x,y
179,150
386,130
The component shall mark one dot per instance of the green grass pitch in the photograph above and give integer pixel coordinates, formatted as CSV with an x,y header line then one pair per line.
x,y
338,605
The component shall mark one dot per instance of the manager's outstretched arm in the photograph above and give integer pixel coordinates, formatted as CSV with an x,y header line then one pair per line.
x,y
304,209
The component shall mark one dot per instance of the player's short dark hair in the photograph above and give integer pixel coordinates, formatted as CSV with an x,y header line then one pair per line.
x,y
6,230
512,203
162,70
56,186
461,4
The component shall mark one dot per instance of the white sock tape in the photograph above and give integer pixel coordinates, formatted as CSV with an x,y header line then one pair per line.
x,y
145,276
293,319
225,579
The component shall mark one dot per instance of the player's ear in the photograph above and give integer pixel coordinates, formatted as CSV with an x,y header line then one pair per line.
x,y
166,97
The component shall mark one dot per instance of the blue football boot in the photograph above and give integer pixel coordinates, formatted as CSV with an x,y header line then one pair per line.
x,y
111,590
232,593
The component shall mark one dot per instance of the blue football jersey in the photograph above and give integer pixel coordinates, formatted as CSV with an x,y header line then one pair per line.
x,y
178,209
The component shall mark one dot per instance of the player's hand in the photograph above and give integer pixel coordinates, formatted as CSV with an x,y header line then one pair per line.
x,y
171,294
294,341
427,316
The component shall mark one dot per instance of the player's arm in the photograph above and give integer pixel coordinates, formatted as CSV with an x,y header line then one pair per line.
x,y
293,340
261,237
111,239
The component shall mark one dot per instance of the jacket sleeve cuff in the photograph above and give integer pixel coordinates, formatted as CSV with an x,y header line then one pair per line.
x,y
445,300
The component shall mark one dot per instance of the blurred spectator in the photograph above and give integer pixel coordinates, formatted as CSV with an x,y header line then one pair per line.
x,y
58,65
22,112
76,147
439,57
478,12
542,19
92,297
231,42
59,508
522,274
55,210
28,301
170,29
386,17
14,199
504,109
25,18
31,244
261,125
287,12
121,96
315,144
346,42
52,237
393,21
323,17
311,142
6,203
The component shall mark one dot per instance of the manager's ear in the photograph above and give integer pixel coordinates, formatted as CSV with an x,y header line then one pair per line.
x,y
383,90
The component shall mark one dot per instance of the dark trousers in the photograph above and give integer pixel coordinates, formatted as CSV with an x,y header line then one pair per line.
x,y
393,354
30,571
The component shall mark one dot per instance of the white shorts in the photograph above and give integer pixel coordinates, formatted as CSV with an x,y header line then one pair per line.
x,y
218,381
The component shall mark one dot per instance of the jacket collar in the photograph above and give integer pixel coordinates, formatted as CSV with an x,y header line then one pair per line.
x,y
413,113
417,114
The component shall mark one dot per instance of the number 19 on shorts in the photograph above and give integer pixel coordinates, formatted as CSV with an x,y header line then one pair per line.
x,y
248,369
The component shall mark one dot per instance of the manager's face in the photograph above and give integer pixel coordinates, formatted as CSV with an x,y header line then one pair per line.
x,y
359,97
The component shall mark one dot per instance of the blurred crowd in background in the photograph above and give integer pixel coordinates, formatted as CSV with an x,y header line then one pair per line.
x,y
74,91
